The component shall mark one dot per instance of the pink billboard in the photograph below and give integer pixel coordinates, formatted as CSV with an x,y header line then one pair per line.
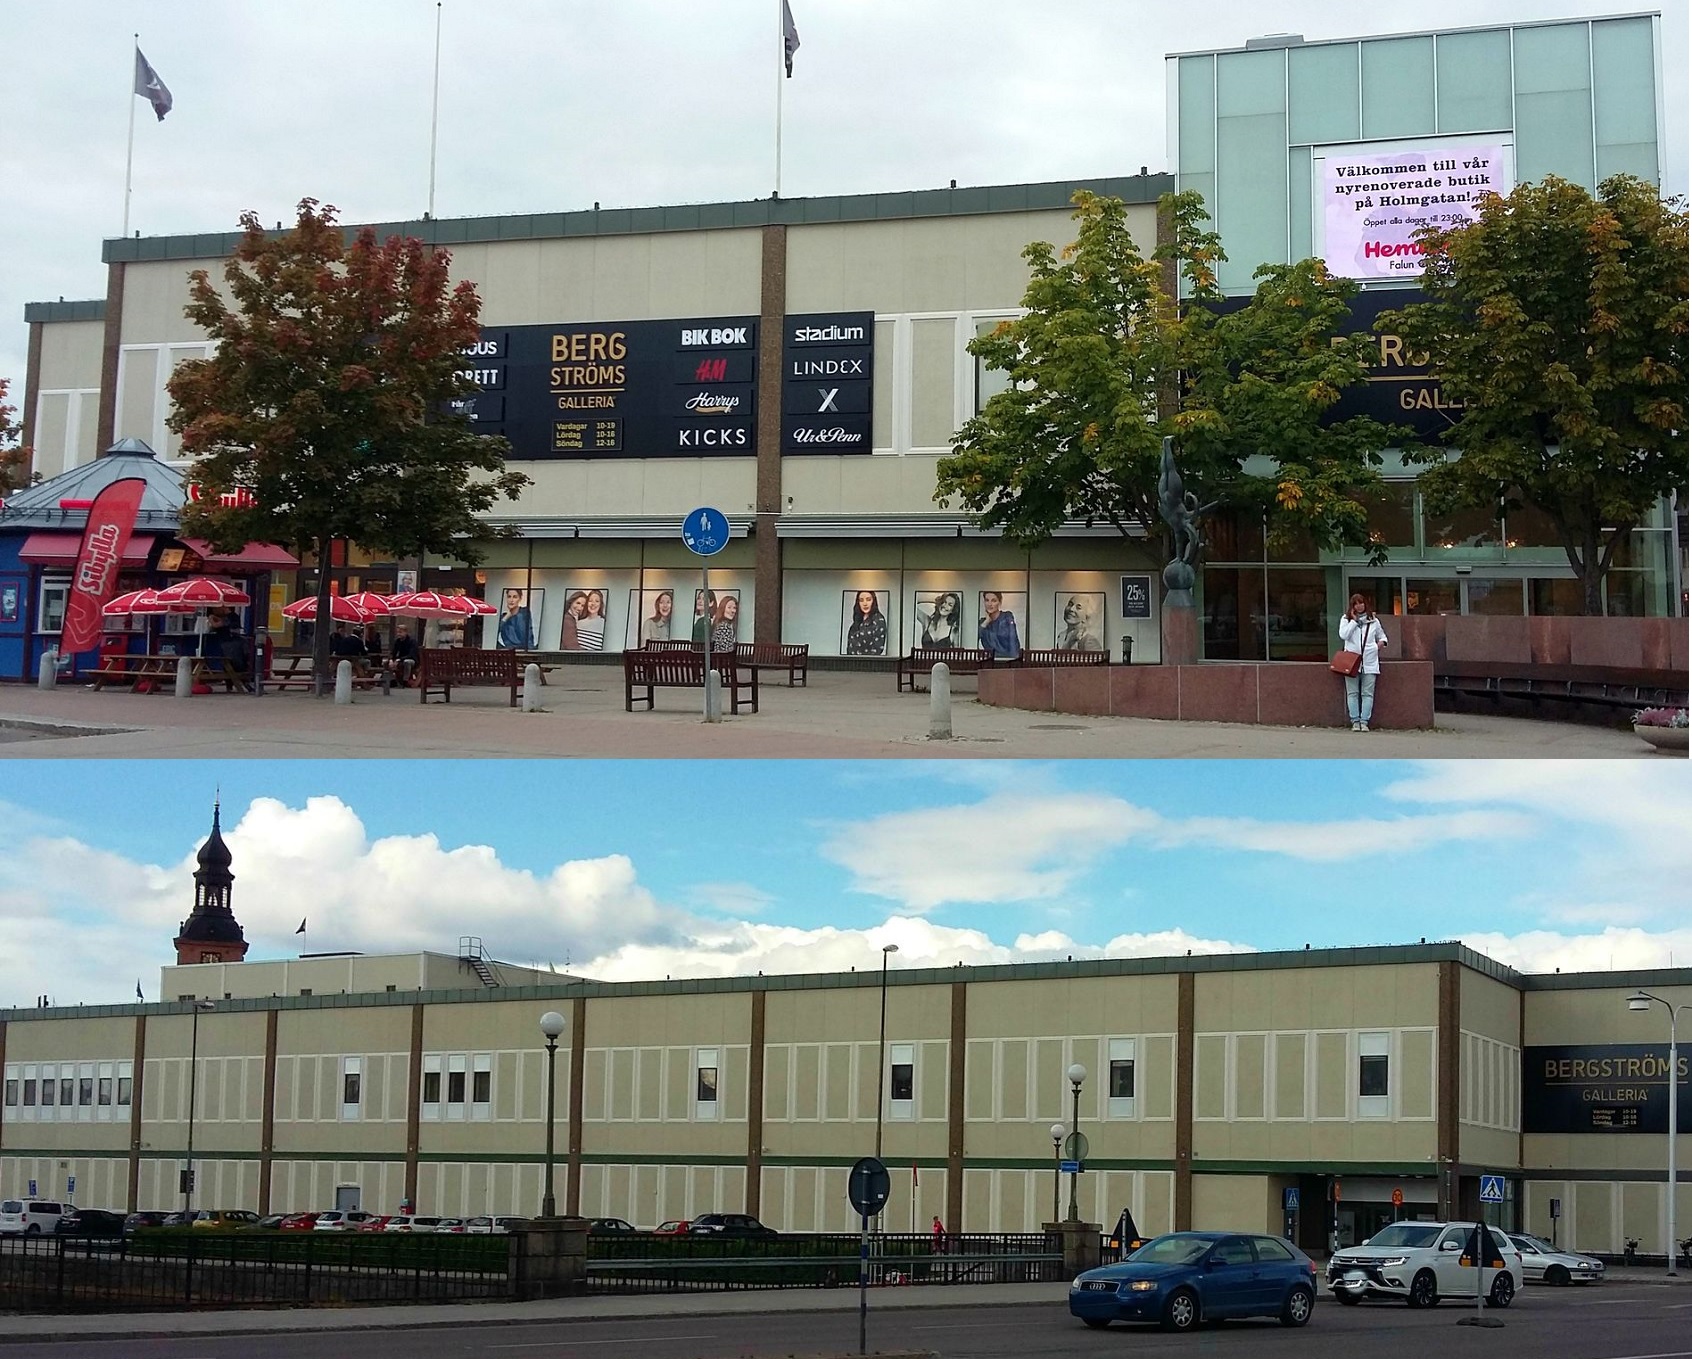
x,y
1373,202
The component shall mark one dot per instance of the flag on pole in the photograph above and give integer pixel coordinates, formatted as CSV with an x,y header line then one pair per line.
x,y
301,929
138,995
153,90
789,40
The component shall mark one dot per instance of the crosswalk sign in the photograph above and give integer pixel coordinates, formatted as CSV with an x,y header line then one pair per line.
x,y
1492,1189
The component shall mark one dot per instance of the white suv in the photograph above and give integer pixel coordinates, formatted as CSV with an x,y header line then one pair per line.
x,y
29,1217
1422,1262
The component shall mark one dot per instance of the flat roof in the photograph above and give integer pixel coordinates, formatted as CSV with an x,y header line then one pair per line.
x,y
1266,42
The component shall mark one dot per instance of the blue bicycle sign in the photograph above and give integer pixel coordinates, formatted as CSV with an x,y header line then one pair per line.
x,y
705,532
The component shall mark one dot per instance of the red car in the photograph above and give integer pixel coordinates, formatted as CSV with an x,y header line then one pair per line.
x,y
374,1224
297,1222
677,1227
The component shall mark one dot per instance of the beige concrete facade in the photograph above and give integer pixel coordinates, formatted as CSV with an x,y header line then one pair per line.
x,y
676,1098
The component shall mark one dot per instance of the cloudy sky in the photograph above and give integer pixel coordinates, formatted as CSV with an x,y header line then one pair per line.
x,y
548,105
639,869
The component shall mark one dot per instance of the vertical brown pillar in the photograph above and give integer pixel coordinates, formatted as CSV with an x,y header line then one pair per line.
x,y
772,311
267,1125
955,1108
2,1067
31,394
136,1066
1449,1041
104,437
755,1108
1185,1006
414,1107
578,1061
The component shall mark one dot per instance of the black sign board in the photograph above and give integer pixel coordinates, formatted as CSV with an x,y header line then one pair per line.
x,y
681,388
1136,597
868,1185
827,377
1616,1087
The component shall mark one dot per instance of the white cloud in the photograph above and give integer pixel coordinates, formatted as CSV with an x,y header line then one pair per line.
x,y
732,898
1613,949
1332,841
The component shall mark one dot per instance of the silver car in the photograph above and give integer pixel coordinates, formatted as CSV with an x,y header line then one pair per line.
x,y
1544,1263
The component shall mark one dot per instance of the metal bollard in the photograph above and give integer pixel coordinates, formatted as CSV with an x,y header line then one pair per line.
x,y
184,677
343,682
940,702
531,688
713,696
1127,649
47,673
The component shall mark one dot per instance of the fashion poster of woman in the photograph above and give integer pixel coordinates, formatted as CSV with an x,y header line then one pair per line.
x,y
651,618
725,622
1077,620
516,628
940,619
995,626
707,616
864,622
583,628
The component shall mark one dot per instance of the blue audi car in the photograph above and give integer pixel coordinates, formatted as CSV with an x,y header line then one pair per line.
x,y
1184,1278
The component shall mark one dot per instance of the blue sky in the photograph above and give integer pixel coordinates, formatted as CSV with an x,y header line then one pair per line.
x,y
635,869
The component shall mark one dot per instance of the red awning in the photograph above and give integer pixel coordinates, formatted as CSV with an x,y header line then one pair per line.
x,y
254,557
60,549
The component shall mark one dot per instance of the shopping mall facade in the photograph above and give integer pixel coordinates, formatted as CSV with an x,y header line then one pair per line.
x,y
802,365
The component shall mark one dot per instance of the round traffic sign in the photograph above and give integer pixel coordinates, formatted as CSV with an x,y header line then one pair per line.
x,y
1075,1147
705,531
1398,1198
868,1186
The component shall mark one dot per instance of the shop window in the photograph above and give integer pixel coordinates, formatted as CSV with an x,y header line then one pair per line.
x,y
1234,535
1496,598
54,592
901,1080
1392,513
1461,531
1530,526
1560,598
1630,594
1373,1075
1121,1078
706,1070
1384,593
1292,544
1233,613
1298,615
1430,597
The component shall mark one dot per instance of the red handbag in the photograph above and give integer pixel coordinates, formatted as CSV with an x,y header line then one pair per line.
x,y
1346,663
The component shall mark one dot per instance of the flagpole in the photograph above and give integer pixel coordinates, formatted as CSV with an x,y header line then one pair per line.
x,y
434,111
129,155
781,62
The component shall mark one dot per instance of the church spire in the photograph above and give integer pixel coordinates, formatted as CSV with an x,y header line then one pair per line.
x,y
211,934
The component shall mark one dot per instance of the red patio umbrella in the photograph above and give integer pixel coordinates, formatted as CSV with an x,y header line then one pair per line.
x,y
145,600
205,592
373,604
342,609
432,604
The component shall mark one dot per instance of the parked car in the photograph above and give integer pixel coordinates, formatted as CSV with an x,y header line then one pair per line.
x,y
225,1219
29,1217
1418,1263
146,1217
609,1226
1544,1263
349,1221
298,1222
180,1218
89,1223
272,1222
1184,1278
453,1225
410,1222
730,1224
505,1224
376,1223
676,1226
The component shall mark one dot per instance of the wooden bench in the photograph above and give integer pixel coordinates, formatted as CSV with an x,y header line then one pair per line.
x,y
922,660
1053,658
666,668
527,658
1599,685
444,667
793,657
294,672
671,644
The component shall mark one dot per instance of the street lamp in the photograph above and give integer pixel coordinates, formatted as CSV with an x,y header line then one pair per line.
x,y
551,1024
1076,1073
1057,1162
881,1046
1643,1000
193,1080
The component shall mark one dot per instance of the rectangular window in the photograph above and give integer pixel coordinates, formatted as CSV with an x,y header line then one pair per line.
x,y
707,1071
126,1090
106,1091
350,1087
49,1086
29,1092
67,1090
455,1087
54,593
481,1087
1373,1075
707,1086
85,1090
1120,1077
901,1080
11,1092
431,1087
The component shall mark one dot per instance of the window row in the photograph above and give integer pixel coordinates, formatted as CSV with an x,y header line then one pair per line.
x,y
68,1091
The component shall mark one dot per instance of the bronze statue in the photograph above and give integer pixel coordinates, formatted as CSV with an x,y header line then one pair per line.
x,y
1181,510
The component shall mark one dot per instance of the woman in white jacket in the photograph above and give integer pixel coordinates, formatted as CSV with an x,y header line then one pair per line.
x,y
1361,631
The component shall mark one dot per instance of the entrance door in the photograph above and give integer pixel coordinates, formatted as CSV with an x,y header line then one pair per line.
x,y
346,1198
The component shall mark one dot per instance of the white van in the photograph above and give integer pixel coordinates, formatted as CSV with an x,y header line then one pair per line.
x,y
29,1217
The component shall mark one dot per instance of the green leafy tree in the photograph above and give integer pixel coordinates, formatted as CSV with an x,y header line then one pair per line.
x,y
323,413
14,457
1103,364
1558,320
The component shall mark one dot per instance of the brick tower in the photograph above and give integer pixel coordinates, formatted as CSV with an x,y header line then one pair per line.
x,y
211,934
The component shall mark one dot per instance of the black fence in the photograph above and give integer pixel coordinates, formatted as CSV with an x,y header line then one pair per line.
x,y
174,1270
641,1263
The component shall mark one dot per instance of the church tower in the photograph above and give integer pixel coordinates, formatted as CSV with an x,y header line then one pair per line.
x,y
212,934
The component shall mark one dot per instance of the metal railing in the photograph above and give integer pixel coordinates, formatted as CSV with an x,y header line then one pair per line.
x,y
159,1270
650,1264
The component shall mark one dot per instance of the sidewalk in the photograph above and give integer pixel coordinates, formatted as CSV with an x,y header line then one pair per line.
x,y
841,715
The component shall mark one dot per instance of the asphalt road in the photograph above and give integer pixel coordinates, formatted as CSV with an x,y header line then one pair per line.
x,y
1612,1322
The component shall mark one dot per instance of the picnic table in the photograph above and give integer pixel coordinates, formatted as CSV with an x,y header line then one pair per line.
x,y
294,672
145,673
